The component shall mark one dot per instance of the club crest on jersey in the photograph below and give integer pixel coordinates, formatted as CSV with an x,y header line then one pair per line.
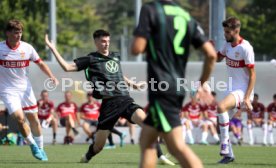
x,y
22,54
237,54
112,66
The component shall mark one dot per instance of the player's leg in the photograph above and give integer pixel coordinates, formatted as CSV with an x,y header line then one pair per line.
x,y
213,131
97,146
270,132
229,102
36,128
54,125
86,128
72,124
148,138
26,133
250,131
131,128
122,135
204,128
190,137
180,150
264,126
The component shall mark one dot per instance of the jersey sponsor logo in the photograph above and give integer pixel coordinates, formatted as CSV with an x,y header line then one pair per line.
x,y
235,63
14,63
112,66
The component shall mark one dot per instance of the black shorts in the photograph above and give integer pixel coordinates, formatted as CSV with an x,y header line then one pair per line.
x,y
163,112
114,108
91,122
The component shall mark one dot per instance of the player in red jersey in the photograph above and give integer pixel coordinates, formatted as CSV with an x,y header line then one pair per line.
x,y
193,111
89,113
256,117
271,109
46,113
210,115
67,111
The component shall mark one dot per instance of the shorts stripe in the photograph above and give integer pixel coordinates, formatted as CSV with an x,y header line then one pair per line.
x,y
30,107
224,124
164,122
154,117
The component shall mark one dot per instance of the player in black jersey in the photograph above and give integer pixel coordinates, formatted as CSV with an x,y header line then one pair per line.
x,y
103,70
165,32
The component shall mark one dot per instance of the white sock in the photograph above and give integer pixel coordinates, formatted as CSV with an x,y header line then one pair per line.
x,y
250,132
224,127
39,141
265,132
184,132
216,137
30,139
270,134
204,136
190,136
231,152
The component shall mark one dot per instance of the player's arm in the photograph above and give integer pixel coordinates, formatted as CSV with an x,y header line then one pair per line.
x,y
220,57
44,67
209,62
135,85
251,84
138,45
65,66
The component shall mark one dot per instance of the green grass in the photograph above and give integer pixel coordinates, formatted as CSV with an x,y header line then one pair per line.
x,y
128,157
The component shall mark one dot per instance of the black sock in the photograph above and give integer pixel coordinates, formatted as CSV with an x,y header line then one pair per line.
x,y
90,153
115,131
159,151
54,135
74,130
110,139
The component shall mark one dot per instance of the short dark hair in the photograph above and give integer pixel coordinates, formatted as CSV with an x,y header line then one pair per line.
x,y
100,33
44,91
256,95
232,23
274,96
14,25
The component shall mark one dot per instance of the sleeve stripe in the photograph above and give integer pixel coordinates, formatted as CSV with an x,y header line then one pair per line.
x,y
37,61
250,65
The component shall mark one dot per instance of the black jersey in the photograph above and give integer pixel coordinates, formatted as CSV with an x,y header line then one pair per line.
x,y
169,31
105,73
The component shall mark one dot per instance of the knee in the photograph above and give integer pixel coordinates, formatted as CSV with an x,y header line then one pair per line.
x,y
20,120
221,108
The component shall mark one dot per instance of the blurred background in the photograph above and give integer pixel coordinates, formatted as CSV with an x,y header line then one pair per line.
x,y
77,19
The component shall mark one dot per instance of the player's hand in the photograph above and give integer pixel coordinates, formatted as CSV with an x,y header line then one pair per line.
x,y
204,94
55,81
141,85
247,104
48,43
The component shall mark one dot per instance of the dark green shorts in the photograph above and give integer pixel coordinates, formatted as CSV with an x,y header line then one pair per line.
x,y
163,112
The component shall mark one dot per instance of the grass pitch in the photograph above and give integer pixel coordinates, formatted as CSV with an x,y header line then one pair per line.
x,y
128,157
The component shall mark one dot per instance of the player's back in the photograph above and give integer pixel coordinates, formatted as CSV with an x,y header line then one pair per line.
x,y
172,30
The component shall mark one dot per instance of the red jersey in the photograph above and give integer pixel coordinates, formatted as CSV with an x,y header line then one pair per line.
x,y
44,109
271,109
91,111
258,111
65,109
212,110
193,110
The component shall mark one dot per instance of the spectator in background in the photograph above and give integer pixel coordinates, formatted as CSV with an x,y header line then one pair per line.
x,y
46,113
256,117
193,111
67,112
89,113
210,115
236,126
271,109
